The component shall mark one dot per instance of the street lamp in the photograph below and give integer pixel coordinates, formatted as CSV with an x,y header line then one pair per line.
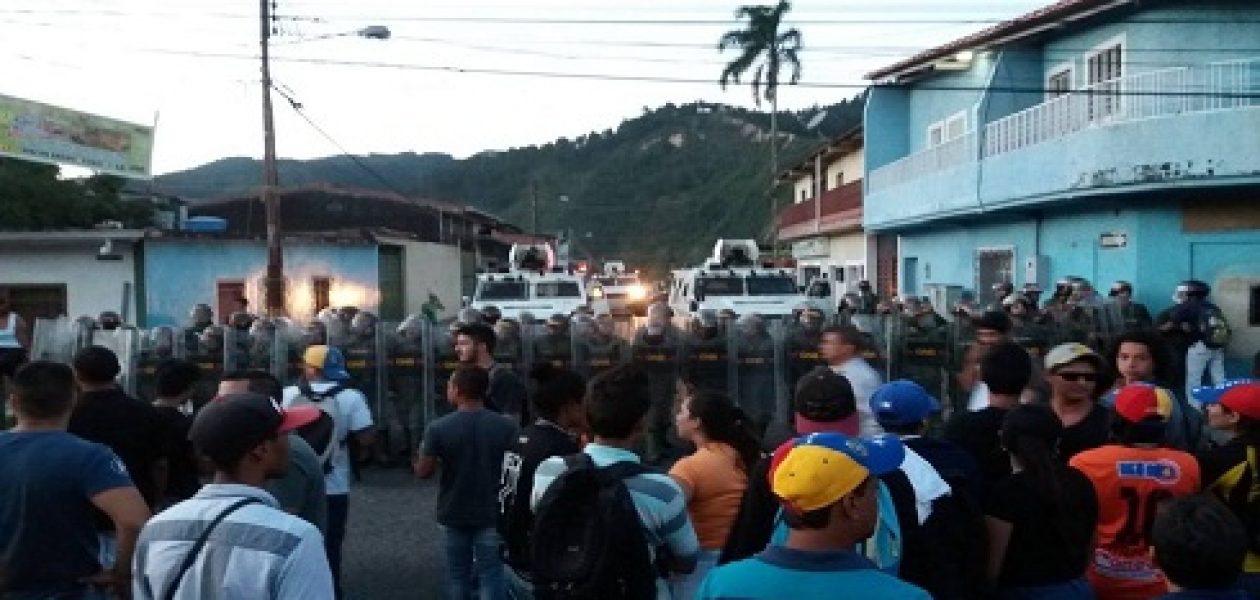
x,y
274,281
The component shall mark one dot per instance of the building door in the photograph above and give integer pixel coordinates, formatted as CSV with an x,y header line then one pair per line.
x,y
228,293
886,265
911,284
38,301
390,273
993,265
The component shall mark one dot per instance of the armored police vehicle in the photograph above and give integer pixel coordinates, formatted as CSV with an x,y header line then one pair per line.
x,y
733,278
532,283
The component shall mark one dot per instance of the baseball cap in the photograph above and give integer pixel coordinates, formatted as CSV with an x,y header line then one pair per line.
x,y
230,426
902,402
816,470
1138,402
1211,394
825,403
1069,353
1242,397
327,359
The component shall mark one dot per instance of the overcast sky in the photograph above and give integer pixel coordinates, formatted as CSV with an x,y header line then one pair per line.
x,y
191,65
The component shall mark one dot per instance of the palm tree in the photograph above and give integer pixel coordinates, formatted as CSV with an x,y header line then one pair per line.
x,y
761,44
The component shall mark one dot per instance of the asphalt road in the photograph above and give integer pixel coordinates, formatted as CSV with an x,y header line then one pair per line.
x,y
393,547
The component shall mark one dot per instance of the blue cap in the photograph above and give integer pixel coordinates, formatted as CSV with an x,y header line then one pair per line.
x,y
329,360
902,402
1211,394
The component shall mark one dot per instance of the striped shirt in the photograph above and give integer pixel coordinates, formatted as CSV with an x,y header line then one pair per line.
x,y
660,502
257,552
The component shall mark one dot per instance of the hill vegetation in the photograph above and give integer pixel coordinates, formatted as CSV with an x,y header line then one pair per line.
x,y
657,190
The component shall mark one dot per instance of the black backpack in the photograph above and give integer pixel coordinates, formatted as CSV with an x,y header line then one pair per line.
x,y
321,433
587,540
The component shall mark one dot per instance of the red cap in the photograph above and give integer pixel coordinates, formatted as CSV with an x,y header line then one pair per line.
x,y
1139,401
1243,399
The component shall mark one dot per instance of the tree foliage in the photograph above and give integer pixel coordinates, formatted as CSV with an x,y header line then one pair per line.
x,y
32,197
656,191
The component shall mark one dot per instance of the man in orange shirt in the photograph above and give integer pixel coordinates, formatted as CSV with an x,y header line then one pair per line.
x,y
1131,478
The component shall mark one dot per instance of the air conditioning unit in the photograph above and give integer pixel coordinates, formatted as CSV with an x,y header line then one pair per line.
x,y
1037,270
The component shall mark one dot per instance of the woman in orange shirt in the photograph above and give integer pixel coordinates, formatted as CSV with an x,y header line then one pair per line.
x,y
713,478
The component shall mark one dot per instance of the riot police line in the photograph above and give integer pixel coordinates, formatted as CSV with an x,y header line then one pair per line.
x,y
402,367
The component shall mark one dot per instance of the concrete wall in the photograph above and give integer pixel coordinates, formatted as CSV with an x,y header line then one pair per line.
x,y
847,248
181,273
884,126
945,95
803,189
848,166
92,285
430,268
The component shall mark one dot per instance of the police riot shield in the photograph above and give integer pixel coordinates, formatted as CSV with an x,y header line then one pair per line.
x,y
402,418
799,337
237,355
550,341
509,350
125,344
754,350
440,362
600,344
156,345
655,349
208,350
54,339
879,331
706,357
361,352
921,354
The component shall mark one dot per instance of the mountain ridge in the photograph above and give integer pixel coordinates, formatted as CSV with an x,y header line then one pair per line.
x,y
682,175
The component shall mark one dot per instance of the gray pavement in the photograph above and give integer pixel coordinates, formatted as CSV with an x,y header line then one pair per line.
x,y
393,547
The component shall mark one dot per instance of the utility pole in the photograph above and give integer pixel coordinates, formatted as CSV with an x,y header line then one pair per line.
x,y
533,194
271,201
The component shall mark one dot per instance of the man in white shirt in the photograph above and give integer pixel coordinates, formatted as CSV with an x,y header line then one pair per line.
x,y
231,540
841,347
323,385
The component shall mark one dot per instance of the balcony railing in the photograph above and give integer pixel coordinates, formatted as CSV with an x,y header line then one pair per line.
x,y
1163,93
840,208
954,152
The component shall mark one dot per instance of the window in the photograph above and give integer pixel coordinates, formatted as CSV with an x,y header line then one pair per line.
x,y
1059,82
956,126
840,179
936,134
804,196
503,290
771,286
557,289
720,286
37,301
321,292
1104,68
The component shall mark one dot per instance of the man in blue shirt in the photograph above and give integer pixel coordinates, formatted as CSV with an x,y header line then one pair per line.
x,y
826,482
50,484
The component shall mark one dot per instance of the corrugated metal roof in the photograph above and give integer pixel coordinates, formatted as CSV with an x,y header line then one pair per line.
x,y
1064,9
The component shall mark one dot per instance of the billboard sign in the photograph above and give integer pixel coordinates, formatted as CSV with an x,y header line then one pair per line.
x,y
49,134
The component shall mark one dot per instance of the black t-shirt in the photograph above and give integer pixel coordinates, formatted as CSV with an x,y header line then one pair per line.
x,y
1091,432
955,465
182,481
978,433
534,444
1048,544
470,445
129,427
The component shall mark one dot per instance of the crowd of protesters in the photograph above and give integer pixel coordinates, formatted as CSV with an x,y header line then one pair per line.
x,y
1076,475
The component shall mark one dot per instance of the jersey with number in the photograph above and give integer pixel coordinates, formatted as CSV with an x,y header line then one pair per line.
x,y
1130,484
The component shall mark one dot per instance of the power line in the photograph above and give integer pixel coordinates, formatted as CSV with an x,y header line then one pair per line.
x,y
659,79
297,108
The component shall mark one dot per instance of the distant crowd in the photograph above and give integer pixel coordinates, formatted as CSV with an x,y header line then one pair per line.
x,y
1077,475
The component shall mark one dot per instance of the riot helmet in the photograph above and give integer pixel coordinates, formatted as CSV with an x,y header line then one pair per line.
x,y
491,315
363,326
240,321
109,320
201,315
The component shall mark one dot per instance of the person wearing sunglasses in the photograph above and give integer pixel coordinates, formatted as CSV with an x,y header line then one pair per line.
x,y
1074,373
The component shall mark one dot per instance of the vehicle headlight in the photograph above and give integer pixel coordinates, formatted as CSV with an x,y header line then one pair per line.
x,y
597,293
636,292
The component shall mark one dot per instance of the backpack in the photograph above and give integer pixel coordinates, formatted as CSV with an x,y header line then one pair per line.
x,y
1239,488
587,542
1216,331
321,433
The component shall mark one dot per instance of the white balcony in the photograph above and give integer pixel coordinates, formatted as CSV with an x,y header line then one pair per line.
x,y
1165,93
957,151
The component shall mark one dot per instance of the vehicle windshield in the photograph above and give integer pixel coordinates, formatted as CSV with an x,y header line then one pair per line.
x,y
771,286
557,289
503,290
720,286
616,281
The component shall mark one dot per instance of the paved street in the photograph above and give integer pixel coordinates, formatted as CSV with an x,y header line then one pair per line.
x,y
393,547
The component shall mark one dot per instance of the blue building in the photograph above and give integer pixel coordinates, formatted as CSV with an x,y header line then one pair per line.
x,y
1106,139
